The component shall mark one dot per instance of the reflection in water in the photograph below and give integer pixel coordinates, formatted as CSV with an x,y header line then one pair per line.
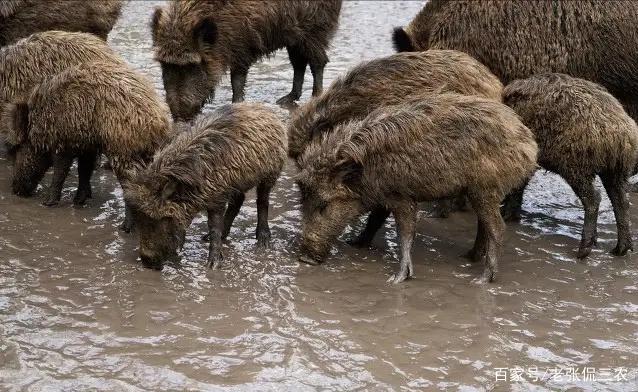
x,y
77,311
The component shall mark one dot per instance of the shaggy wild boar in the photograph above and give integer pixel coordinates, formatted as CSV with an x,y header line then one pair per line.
x,y
21,18
211,167
197,41
581,131
28,62
427,149
91,106
591,39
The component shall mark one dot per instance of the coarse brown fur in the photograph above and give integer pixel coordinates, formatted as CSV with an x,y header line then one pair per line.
x,y
227,153
21,18
427,149
590,39
387,81
582,131
198,41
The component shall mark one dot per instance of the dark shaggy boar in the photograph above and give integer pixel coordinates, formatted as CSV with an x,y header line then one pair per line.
x,y
591,39
211,167
25,64
197,41
581,131
88,107
21,18
427,149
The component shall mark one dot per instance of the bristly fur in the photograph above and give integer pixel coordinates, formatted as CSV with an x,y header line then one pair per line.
x,y
232,149
589,39
388,81
21,18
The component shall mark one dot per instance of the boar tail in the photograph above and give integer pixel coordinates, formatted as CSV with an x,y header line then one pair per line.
x,y
401,40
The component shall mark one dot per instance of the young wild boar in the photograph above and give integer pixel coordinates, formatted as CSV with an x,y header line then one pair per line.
x,y
92,106
211,167
197,41
21,18
427,149
25,64
581,131
591,39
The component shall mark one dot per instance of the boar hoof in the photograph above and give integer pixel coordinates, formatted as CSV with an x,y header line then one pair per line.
x,y
287,101
215,260
622,248
81,196
308,260
51,202
263,239
402,276
487,277
473,256
584,251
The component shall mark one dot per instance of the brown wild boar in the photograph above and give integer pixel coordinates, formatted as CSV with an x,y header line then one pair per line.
x,y
582,131
228,152
25,64
91,106
427,149
198,41
590,39
21,18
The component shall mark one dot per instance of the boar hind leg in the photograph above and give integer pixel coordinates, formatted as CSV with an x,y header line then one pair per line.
x,y
512,205
375,221
584,188
479,249
128,223
263,203
616,187
299,63
317,62
405,217
238,83
61,165
215,228
86,166
489,243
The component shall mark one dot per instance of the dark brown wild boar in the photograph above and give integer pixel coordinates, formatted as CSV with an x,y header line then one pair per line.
x,y
582,131
211,167
198,41
427,149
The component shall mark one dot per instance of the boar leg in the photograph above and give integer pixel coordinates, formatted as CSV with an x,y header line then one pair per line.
x,y
263,202
215,228
479,248
238,82
616,187
86,166
62,162
486,205
583,186
299,63
234,205
375,221
128,223
405,217
317,64
512,205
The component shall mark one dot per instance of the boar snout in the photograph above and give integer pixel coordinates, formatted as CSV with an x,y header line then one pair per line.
x,y
23,188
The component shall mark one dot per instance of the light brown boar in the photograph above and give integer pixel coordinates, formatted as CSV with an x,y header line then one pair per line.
x,y
21,18
211,167
91,106
197,41
582,131
427,149
590,39
25,64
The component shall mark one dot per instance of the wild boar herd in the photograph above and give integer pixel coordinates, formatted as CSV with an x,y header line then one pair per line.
x,y
482,94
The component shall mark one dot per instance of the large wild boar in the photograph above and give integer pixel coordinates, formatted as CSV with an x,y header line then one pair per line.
x,y
211,167
21,18
582,131
427,149
198,41
25,64
91,106
590,39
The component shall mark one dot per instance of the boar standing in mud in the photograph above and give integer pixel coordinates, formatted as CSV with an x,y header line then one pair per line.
x,y
590,39
582,131
21,18
387,81
427,149
211,167
88,107
28,62
197,42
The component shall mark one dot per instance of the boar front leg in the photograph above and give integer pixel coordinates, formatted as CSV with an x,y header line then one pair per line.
x,y
215,229
86,166
405,216
299,63
375,221
238,83
234,205
318,62
263,203
61,165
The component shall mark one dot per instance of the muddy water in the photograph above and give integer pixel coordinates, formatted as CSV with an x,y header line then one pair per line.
x,y
78,312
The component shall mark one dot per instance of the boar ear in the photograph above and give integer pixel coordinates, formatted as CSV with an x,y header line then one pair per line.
x,y
206,31
401,40
157,15
169,189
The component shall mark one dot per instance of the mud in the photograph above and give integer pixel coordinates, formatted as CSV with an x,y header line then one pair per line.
x,y
78,311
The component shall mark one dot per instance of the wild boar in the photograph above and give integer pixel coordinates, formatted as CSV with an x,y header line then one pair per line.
x,y
197,42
